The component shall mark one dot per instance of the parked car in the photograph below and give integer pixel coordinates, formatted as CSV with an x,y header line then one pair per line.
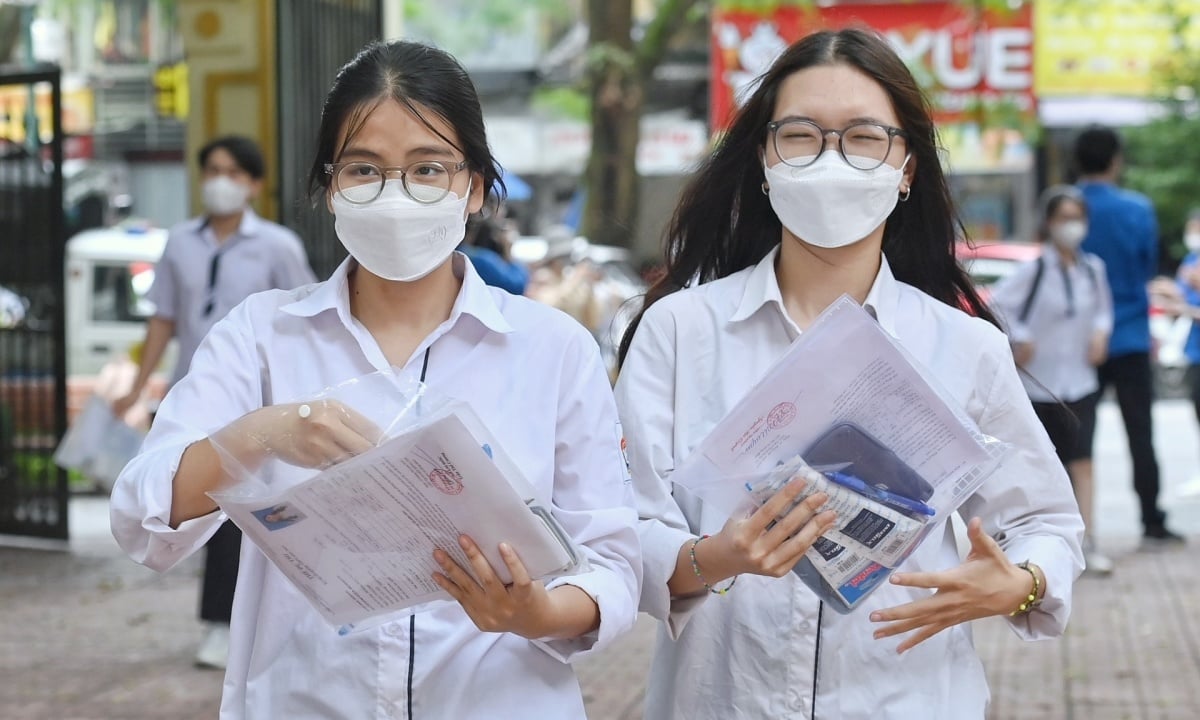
x,y
988,263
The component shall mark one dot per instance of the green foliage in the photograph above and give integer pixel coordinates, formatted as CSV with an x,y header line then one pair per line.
x,y
759,5
458,27
1163,157
564,103
1163,161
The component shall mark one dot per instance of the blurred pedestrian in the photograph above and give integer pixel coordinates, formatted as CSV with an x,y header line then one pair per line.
x,y
1188,279
827,183
488,244
1123,232
210,264
402,159
1058,312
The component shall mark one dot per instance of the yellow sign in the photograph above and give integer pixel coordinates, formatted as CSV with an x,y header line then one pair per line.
x,y
77,106
171,90
1108,47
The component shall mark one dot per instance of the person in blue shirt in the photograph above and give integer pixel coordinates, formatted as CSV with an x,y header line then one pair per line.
x,y
489,249
1188,278
1123,232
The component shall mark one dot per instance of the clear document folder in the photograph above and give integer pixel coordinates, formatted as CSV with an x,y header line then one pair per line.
x,y
357,539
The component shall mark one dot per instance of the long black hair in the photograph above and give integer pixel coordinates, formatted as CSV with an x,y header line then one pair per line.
x,y
724,223
423,79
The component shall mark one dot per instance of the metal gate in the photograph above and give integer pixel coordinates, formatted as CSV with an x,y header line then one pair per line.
x,y
33,391
316,37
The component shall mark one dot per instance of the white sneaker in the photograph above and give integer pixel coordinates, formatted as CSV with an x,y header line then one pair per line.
x,y
1095,562
214,651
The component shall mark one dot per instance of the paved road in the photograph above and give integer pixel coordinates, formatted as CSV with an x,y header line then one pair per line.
x,y
88,635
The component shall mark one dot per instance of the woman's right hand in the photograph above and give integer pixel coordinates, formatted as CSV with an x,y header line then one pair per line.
x,y
315,434
752,545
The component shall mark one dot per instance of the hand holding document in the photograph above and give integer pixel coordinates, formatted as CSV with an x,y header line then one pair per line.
x,y
850,413
358,538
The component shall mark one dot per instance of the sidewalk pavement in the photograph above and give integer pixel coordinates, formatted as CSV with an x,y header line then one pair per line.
x,y
89,635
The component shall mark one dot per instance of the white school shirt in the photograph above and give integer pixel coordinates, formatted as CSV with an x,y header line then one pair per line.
x,y
1068,308
535,378
769,647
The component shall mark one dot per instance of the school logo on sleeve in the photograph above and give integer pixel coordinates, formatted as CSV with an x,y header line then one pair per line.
x,y
621,443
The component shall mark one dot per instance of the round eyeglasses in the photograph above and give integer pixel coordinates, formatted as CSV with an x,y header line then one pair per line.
x,y
864,146
361,183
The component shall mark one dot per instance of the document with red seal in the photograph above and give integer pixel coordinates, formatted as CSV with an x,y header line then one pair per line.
x,y
358,538
844,369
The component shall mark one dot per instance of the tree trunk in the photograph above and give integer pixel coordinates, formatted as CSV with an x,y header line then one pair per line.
x,y
611,175
619,73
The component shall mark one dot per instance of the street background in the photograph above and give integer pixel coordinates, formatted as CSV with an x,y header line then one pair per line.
x,y
89,635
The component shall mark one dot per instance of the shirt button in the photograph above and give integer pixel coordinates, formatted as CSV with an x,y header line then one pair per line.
x,y
394,629
805,625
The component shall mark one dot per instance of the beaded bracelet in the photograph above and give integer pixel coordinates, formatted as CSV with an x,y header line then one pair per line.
x,y
1030,601
696,569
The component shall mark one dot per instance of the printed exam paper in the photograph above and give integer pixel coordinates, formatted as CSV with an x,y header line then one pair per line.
x,y
358,538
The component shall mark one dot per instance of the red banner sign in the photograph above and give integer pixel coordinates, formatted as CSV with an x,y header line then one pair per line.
x,y
972,64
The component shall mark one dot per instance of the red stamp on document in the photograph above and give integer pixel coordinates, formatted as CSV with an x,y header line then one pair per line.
x,y
781,415
446,482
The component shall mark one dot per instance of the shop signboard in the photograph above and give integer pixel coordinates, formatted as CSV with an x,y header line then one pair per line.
x,y
1115,48
975,66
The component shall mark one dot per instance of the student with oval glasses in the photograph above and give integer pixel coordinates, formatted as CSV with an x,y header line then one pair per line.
x,y
828,182
1059,314
402,159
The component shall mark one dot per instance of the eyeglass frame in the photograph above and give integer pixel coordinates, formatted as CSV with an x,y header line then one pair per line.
x,y
892,133
452,169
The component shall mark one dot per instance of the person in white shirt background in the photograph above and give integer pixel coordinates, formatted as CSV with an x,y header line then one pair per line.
x,y
1058,313
828,182
402,159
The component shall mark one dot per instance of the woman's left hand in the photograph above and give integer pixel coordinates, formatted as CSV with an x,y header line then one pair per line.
x,y
986,583
524,607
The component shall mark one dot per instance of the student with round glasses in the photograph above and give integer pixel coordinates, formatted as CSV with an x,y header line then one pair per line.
x,y
402,159
828,182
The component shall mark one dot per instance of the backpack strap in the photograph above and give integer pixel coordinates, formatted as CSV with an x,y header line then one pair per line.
x,y
1091,271
1027,306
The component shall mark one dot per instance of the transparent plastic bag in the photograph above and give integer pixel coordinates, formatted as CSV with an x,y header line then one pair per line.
x,y
98,444
885,509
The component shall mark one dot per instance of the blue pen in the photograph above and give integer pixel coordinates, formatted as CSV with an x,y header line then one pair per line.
x,y
891,499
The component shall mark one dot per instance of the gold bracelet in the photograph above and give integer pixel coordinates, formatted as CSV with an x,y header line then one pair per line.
x,y
1031,601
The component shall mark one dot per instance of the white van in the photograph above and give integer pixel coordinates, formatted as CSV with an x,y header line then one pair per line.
x,y
108,273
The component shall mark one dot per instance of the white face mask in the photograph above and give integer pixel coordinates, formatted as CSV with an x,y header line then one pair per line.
x,y
1192,241
224,195
1069,234
830,204
398,238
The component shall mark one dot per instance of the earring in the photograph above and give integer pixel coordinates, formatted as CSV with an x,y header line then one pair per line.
x,y
766,188
904,195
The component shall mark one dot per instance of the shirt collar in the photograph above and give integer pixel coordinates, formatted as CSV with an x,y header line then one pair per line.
x,y
248,227
474,297
762,288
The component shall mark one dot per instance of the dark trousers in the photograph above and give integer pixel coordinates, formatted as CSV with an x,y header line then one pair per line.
x,y
1132,378
220,573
